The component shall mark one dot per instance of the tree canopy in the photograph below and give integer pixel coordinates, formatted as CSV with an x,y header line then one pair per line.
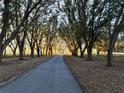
x,y
82,24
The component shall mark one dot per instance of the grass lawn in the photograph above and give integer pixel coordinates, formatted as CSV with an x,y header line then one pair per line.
x,y
95,77
13,67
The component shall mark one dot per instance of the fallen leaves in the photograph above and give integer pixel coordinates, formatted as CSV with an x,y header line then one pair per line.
x,y
13,67
95,77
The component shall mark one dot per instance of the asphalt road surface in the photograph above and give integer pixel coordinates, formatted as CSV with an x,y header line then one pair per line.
x,y
52,76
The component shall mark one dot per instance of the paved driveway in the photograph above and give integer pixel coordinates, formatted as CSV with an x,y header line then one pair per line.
x,y
50,77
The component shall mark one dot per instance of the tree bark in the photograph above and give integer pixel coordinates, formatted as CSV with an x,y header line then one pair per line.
x,y
112,41
4,53
5,25
21,44
74,52
82,51
38,52
46,51
1,55
21,51
89,53
14,53
110,51
109,56
32,52
51,50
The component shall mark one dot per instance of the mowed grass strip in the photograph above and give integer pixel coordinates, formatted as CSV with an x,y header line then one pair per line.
x,y
95,76
13,67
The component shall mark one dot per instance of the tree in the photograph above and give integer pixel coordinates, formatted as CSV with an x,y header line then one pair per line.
x,y
115,25
51,34
13,45
93,16
23,7
85,19
35,36
70,28
36,13
70,39
5,27
40,42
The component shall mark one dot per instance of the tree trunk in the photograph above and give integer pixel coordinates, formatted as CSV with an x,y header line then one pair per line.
x,y
109,57
1,55
5,26
4,53
112,41
109,53
74,52
51,50
32,52
38,52
46,51
21,44
82,51
14,53
21,50
89,53
98,52
41,52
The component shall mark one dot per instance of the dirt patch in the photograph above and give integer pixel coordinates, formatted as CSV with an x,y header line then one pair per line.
x,y
96,77
13,67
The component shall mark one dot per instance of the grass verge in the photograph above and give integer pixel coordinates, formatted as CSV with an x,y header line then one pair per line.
x,y
95,76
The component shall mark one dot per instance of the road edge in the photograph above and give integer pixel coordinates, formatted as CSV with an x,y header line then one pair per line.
x,y
73,74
